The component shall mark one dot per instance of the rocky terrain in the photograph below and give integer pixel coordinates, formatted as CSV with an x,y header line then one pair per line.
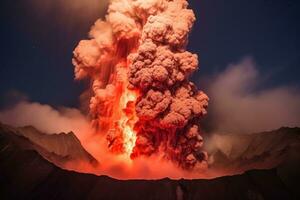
x,y
26,173
59,148
236,153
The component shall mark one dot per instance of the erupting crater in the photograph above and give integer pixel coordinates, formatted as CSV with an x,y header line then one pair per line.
x,y
142,100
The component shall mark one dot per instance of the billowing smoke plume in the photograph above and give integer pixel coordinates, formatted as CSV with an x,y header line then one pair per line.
x,y
138,66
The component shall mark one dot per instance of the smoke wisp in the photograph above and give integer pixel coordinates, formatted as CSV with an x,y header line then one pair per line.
x,y
45,118
71,11
239,107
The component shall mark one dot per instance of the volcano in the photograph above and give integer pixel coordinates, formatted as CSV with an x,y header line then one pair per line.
x,y
141,122
141,98
30,160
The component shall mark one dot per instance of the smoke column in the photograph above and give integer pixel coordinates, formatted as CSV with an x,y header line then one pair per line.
x,y
141,99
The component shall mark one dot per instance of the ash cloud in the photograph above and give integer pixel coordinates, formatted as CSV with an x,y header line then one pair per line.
x,y
239,107
136,60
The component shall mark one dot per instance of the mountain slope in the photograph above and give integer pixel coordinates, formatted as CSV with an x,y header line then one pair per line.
x,y
57,148
27,175
235,153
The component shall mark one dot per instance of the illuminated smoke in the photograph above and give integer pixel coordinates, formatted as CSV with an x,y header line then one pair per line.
x,y
142,99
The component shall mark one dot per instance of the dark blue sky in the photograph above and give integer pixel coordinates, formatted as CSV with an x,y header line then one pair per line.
x,y
37,48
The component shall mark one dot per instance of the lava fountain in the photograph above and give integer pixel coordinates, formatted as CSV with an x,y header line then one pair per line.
x,y
142,100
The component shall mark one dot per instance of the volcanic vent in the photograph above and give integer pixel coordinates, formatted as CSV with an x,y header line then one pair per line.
x,y
142,100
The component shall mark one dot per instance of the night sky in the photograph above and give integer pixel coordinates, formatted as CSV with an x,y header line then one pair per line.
x,y
36,47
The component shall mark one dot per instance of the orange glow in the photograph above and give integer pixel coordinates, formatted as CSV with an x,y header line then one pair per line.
x,y
128,119
121,116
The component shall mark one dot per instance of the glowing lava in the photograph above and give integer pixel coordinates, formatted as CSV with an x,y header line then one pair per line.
x,y
121,134
128,120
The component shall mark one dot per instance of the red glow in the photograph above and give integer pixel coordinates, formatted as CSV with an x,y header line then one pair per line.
x,y
128,120
121,135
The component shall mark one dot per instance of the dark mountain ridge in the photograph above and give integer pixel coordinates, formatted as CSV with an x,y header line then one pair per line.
x,y
59,148
26,174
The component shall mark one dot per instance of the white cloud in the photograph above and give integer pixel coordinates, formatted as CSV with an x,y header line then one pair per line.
x,y
45,118
236,105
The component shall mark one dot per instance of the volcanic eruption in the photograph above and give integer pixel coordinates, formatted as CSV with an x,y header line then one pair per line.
x,y
141,98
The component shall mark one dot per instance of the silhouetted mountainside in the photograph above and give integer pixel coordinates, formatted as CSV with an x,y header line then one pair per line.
x,y
235,153
57,148
25,174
